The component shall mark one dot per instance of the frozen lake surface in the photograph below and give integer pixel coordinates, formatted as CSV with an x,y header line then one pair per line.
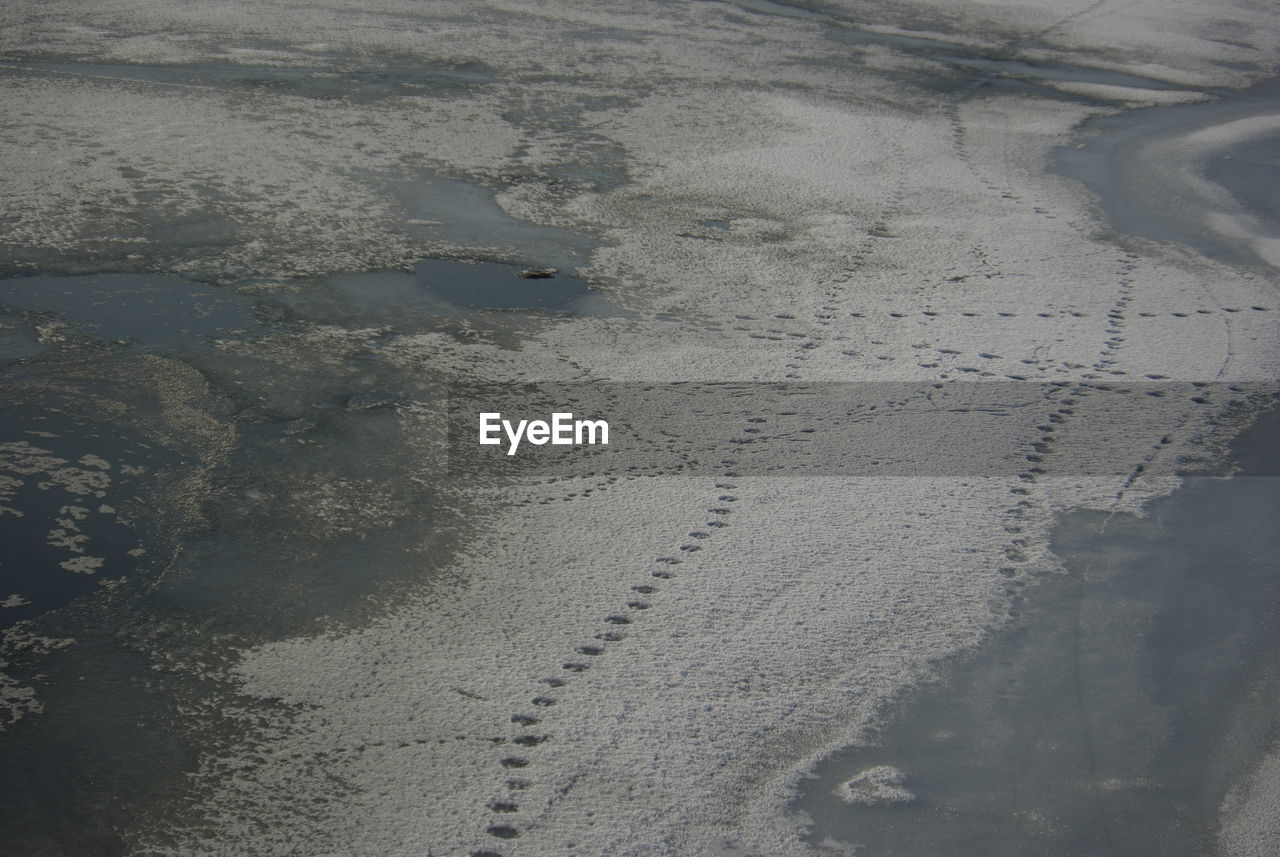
x,y
251,605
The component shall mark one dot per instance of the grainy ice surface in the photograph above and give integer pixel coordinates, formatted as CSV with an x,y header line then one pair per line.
x,y
253,605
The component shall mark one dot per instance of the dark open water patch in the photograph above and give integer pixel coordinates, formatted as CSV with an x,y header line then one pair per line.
x,y
33,566
489,285
442,288
70,775
78,479
17,341
92,747
1113,717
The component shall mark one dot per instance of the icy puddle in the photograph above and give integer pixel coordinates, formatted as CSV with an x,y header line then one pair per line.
x,y
466,215
489,285
439,287
1117,711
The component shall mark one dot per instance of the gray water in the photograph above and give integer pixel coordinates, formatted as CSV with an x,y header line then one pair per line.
x,y
487,295
97,737
1112,716
494,286
28,556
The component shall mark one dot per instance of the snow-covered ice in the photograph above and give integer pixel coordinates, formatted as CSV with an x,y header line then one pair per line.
x,y
592,666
